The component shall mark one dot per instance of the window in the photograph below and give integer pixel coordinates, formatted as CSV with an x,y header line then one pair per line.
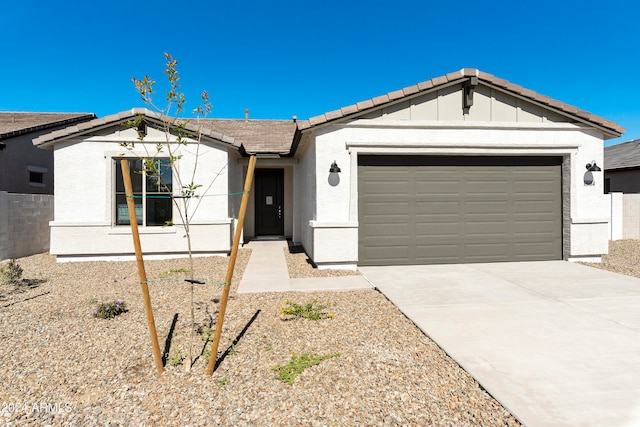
x,y
152,194
36,176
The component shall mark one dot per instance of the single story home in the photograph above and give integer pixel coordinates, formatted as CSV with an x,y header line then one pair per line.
x,y
461,168
622,167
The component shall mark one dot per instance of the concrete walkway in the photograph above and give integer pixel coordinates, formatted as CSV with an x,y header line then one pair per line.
x,y
558,344
267,272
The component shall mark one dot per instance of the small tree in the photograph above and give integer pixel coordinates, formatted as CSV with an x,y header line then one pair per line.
x,y
178,133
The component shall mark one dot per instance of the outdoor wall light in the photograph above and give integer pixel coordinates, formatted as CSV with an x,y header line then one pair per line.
x,y
334,168
592,167
588,176
2,146
334,178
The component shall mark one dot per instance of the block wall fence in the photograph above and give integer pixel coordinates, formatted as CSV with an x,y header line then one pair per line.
x,y
24,224
625,216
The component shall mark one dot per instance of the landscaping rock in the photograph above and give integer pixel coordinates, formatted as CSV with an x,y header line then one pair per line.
x,y
60,365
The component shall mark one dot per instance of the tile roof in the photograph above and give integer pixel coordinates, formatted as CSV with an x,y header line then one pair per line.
x,y
150,116
622,156
258,136
14,124
281,136
459,76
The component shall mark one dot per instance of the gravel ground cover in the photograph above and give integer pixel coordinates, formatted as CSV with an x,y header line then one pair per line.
x,y
61,366
300,266
623,258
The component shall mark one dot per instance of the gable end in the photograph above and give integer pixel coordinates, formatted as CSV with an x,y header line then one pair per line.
x,y
525,105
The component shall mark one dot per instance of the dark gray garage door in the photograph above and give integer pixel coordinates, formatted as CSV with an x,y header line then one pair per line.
x,y
441,209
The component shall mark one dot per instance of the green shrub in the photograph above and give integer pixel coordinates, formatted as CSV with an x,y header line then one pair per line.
x,y
177,356
107,310
10,272
311,311
169,273
298,363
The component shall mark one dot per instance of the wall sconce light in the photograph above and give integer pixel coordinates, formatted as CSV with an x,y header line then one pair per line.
x,y
2,146
334,168
588,176
592,167
334,178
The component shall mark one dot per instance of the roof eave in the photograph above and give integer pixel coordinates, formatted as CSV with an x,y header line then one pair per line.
x,y
150,117
80,118
609,129
621,168
353,111
612,132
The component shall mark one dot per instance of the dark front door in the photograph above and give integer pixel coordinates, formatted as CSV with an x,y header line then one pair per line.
x,y
269,202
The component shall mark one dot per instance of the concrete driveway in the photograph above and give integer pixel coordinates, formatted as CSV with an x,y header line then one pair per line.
x,y
556,343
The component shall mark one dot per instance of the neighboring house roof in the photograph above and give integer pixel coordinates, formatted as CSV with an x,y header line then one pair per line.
x,y
622,156
357,109
258,136
13,124
150,117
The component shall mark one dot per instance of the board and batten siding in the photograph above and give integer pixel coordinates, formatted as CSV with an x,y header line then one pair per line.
x,y
489,105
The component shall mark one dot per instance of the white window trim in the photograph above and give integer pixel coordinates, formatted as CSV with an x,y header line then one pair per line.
x,y
143,226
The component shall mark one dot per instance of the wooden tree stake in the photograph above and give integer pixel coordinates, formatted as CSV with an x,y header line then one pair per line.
x,y
232,263
124,163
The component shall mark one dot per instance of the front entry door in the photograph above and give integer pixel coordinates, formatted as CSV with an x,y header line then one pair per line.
x,y
269,202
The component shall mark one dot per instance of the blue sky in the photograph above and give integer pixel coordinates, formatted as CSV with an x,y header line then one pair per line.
x,y
281,59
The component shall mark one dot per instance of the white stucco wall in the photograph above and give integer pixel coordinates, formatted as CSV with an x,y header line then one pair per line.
x,y
305,194
83,225
616,228
334,227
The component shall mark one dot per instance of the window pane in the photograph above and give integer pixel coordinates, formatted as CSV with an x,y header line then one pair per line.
x,y
165,175
160,181
119,181
135,167
158,210
159,190
122,212
136,175
36,177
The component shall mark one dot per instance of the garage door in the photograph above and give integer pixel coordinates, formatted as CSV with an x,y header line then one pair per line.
x,y
440,209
